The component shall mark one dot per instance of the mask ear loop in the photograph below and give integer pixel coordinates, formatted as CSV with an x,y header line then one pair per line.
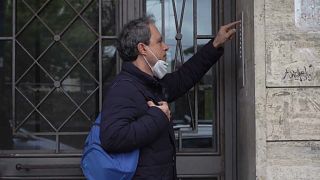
x,y
147,62
153,53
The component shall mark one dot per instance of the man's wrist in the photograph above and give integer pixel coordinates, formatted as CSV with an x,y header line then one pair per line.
x,y
215,44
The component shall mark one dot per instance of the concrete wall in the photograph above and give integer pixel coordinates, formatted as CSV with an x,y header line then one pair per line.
x,y
260,89
287,81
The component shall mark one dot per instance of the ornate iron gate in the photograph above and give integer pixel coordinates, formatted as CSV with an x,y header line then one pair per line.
x,y
205,145
56,55
186,26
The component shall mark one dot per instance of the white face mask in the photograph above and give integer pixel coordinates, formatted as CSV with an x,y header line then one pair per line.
x,y
160,68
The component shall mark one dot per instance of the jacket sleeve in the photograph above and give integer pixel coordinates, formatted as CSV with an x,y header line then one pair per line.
x,y
122,129
179,82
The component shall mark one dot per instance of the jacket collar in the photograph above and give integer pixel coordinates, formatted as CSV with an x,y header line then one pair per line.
x,y
142,77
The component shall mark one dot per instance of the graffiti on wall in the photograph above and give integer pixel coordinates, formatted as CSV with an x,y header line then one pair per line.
x,y
299,74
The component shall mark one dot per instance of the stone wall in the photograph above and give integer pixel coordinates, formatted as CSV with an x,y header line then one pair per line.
x,y
287,86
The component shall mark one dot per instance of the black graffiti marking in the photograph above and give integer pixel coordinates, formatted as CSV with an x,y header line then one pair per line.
x,y
300,75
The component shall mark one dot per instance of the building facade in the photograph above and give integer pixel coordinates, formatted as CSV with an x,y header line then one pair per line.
x,y
59,55
283,63
254,115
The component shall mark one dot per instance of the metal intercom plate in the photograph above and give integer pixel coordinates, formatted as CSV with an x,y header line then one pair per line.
x,y
241,60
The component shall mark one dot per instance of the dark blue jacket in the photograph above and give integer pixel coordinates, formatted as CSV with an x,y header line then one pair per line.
x,y
128,123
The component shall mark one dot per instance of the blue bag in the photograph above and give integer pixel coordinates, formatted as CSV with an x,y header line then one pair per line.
x,y
97,164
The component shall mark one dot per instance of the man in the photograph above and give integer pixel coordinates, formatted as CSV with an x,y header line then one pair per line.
x,y
135,113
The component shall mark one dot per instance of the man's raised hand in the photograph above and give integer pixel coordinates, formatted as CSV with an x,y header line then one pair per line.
x,y
225,33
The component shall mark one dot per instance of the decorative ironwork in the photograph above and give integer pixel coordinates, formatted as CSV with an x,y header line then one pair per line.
x,y
56,84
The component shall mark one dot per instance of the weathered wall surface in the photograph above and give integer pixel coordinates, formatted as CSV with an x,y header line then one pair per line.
x,y
293,130
293,160
293,114
260,89
287,100
292,42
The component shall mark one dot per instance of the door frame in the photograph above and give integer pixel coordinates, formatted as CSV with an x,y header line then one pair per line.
x,y
226,106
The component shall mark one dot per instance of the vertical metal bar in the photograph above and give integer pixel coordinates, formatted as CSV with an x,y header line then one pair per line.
x,y
215,109
2,22
120,3
215,85
57,144
180,140
180,26
195,28
140,8
220,15
163,20
13,63
196,88
37,72
124,19
241,52
135,6
126,12
144,7
215,18
134,9
100,57
118,27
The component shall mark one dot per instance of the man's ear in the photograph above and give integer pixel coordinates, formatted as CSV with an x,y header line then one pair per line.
x,y
142,48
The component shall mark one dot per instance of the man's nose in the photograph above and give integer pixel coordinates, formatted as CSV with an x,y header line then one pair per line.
x,y
166,47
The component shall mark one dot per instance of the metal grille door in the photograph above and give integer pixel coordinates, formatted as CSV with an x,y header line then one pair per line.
x,y
55,58
186,26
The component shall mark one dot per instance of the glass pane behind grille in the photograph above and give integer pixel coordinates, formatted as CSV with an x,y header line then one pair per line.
x,y
35,38
57,14
108,17
6,141
5,18
79,38
109,59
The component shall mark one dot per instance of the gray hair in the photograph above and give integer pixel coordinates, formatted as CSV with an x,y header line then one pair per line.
x,y
135,32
